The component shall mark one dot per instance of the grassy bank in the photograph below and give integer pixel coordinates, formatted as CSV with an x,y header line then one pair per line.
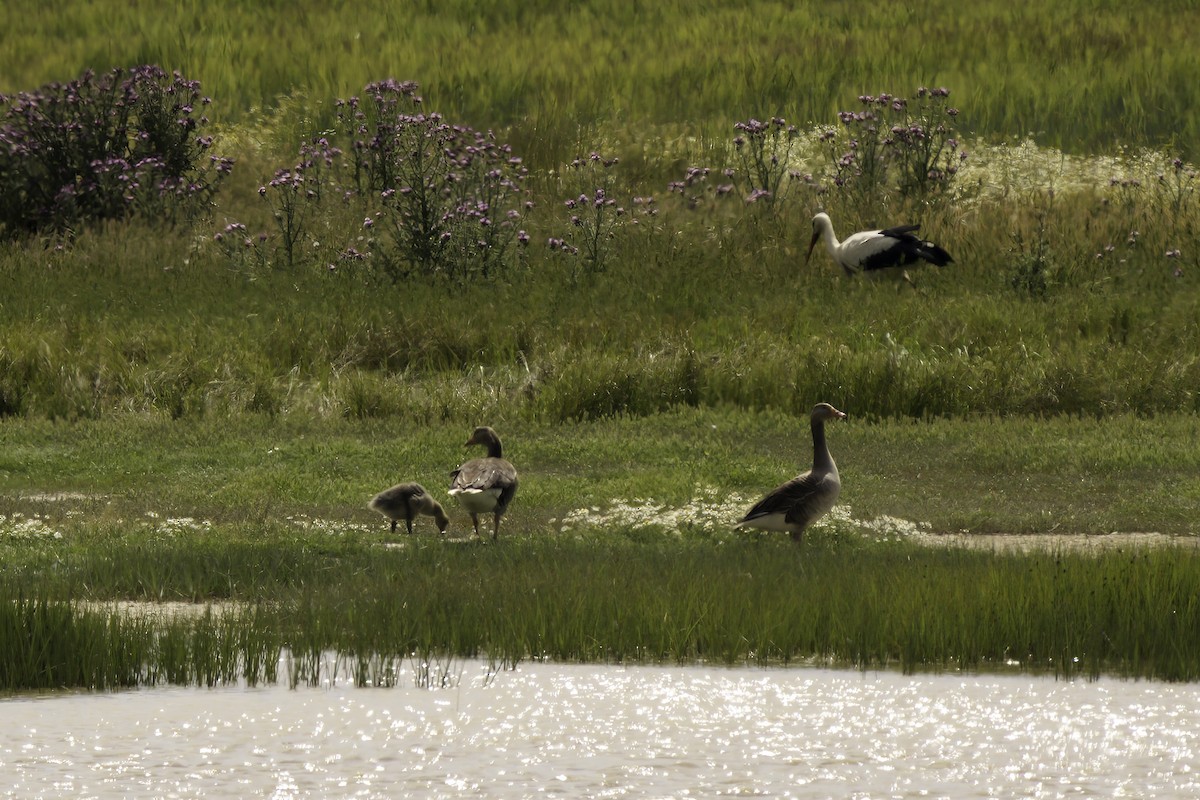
x,y
117,478
271,516
599,599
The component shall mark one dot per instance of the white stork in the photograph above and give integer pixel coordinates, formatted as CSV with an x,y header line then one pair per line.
x,y
869,251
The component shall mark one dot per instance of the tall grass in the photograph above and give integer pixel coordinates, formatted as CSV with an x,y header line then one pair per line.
x,y
1103,335
586,599
1080,74
1131,613
1058,302
54,644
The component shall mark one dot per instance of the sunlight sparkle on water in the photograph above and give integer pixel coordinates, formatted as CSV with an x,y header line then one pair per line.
x,y
605,731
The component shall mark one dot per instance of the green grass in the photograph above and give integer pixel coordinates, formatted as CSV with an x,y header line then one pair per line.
x,y
676,320
1078,74
270,515
600,599
981,475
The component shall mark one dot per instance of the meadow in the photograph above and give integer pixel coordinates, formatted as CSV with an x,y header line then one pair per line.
x,y
1082,75
198,409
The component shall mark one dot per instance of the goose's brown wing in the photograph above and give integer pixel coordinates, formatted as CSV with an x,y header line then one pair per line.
x,y
801,500
482,474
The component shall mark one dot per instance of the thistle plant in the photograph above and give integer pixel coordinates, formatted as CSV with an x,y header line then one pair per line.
x,y
295,193
763,152
484,203
451,196
694,187
594,212
1127,193
125,143
1177,199
369,123
1178,186
895,146
239,248
1034,264
1163,199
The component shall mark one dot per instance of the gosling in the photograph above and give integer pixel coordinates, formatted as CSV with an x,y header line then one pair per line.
x,y
405,501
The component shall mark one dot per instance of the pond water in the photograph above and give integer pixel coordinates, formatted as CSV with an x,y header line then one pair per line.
x,y
606,731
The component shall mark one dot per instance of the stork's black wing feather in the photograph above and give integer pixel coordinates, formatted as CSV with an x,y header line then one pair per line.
x,y
902,232
908,249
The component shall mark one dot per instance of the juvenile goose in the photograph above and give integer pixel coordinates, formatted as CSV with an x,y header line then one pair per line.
x,y
405,501
800,502
485,484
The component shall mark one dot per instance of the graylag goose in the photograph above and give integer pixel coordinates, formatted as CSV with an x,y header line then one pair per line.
x,y
485,484
406,501
800,502
870,251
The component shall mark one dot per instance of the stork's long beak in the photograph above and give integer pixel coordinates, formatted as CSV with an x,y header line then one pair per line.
x,y
811,245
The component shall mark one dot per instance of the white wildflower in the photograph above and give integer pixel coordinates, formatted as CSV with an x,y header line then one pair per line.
x,y
710,510
22,528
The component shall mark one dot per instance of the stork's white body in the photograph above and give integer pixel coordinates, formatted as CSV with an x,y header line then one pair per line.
x,y
868,251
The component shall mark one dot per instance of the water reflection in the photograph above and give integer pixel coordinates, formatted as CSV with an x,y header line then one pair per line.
x,y
578,730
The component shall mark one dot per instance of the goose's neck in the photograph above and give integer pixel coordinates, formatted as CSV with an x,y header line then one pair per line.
x,y
822,460
493,449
